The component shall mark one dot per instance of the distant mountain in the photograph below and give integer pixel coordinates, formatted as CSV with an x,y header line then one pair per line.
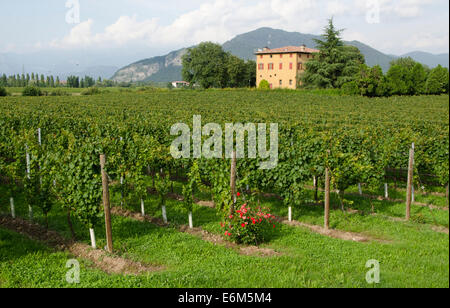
x,y
103,71
168,67
158,69
429,59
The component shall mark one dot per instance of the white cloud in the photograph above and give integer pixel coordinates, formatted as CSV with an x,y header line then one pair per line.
x,y
398,8
401,26
425,40
218,21
337,7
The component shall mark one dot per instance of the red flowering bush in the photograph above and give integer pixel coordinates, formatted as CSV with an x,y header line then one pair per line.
x,y
249,225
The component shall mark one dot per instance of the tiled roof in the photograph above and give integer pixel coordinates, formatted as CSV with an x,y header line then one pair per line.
x,y
287,49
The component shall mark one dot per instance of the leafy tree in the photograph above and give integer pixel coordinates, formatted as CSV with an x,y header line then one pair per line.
x,y
4,81
250,73
418,78
399,79
3,91
236,71
73,82
335,64
89,81
206,65
438,81
371,82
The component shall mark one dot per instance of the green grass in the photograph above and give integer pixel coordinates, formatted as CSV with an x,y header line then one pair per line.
x,y
415,256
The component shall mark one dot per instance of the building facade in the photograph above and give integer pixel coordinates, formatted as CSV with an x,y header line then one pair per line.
x,y
281,66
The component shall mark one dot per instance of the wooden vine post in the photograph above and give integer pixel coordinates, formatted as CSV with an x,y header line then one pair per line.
x,y
327,199
106,204
233,182
409,191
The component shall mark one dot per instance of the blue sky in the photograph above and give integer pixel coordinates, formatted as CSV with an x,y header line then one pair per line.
x,y
157,26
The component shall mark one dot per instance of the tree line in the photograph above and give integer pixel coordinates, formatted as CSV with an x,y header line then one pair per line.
x,y
43,81
405,77
27,79
338,66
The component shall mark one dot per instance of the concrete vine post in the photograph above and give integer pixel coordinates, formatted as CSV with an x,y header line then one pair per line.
x,y
327,199
409,190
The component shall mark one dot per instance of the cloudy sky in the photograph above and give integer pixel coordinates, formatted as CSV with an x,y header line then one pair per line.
x,y
392,26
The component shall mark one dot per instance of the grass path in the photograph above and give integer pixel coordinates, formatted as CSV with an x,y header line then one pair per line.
x,y
414,256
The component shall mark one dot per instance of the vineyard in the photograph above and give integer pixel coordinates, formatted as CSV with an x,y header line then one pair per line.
x,y
167,213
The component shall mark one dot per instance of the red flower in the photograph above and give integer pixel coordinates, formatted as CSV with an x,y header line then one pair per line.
x,y
231,216
243,225
238,194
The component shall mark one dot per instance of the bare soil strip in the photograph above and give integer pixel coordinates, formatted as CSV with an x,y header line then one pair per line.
x,y
440,229
338,234
101,259
200,233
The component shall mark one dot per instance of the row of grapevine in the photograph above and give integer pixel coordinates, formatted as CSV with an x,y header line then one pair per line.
x,y
65,166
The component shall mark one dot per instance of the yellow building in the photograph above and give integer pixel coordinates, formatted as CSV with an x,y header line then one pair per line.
x,y
281,66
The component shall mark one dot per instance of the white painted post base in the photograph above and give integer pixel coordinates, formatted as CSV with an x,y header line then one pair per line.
x,y
13,210
30,212
93,242
413,199
164,213
360,189
290,213
191,224
142,207
386,190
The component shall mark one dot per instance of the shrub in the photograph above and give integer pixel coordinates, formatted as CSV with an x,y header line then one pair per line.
x,y
350,88
3,92
264,85
91,91
249,225
59,92
32,91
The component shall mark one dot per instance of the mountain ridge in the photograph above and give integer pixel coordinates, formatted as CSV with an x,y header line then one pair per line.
x,y
244,45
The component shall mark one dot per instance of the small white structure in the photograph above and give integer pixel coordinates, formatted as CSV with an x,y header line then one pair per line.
x,y
180,84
